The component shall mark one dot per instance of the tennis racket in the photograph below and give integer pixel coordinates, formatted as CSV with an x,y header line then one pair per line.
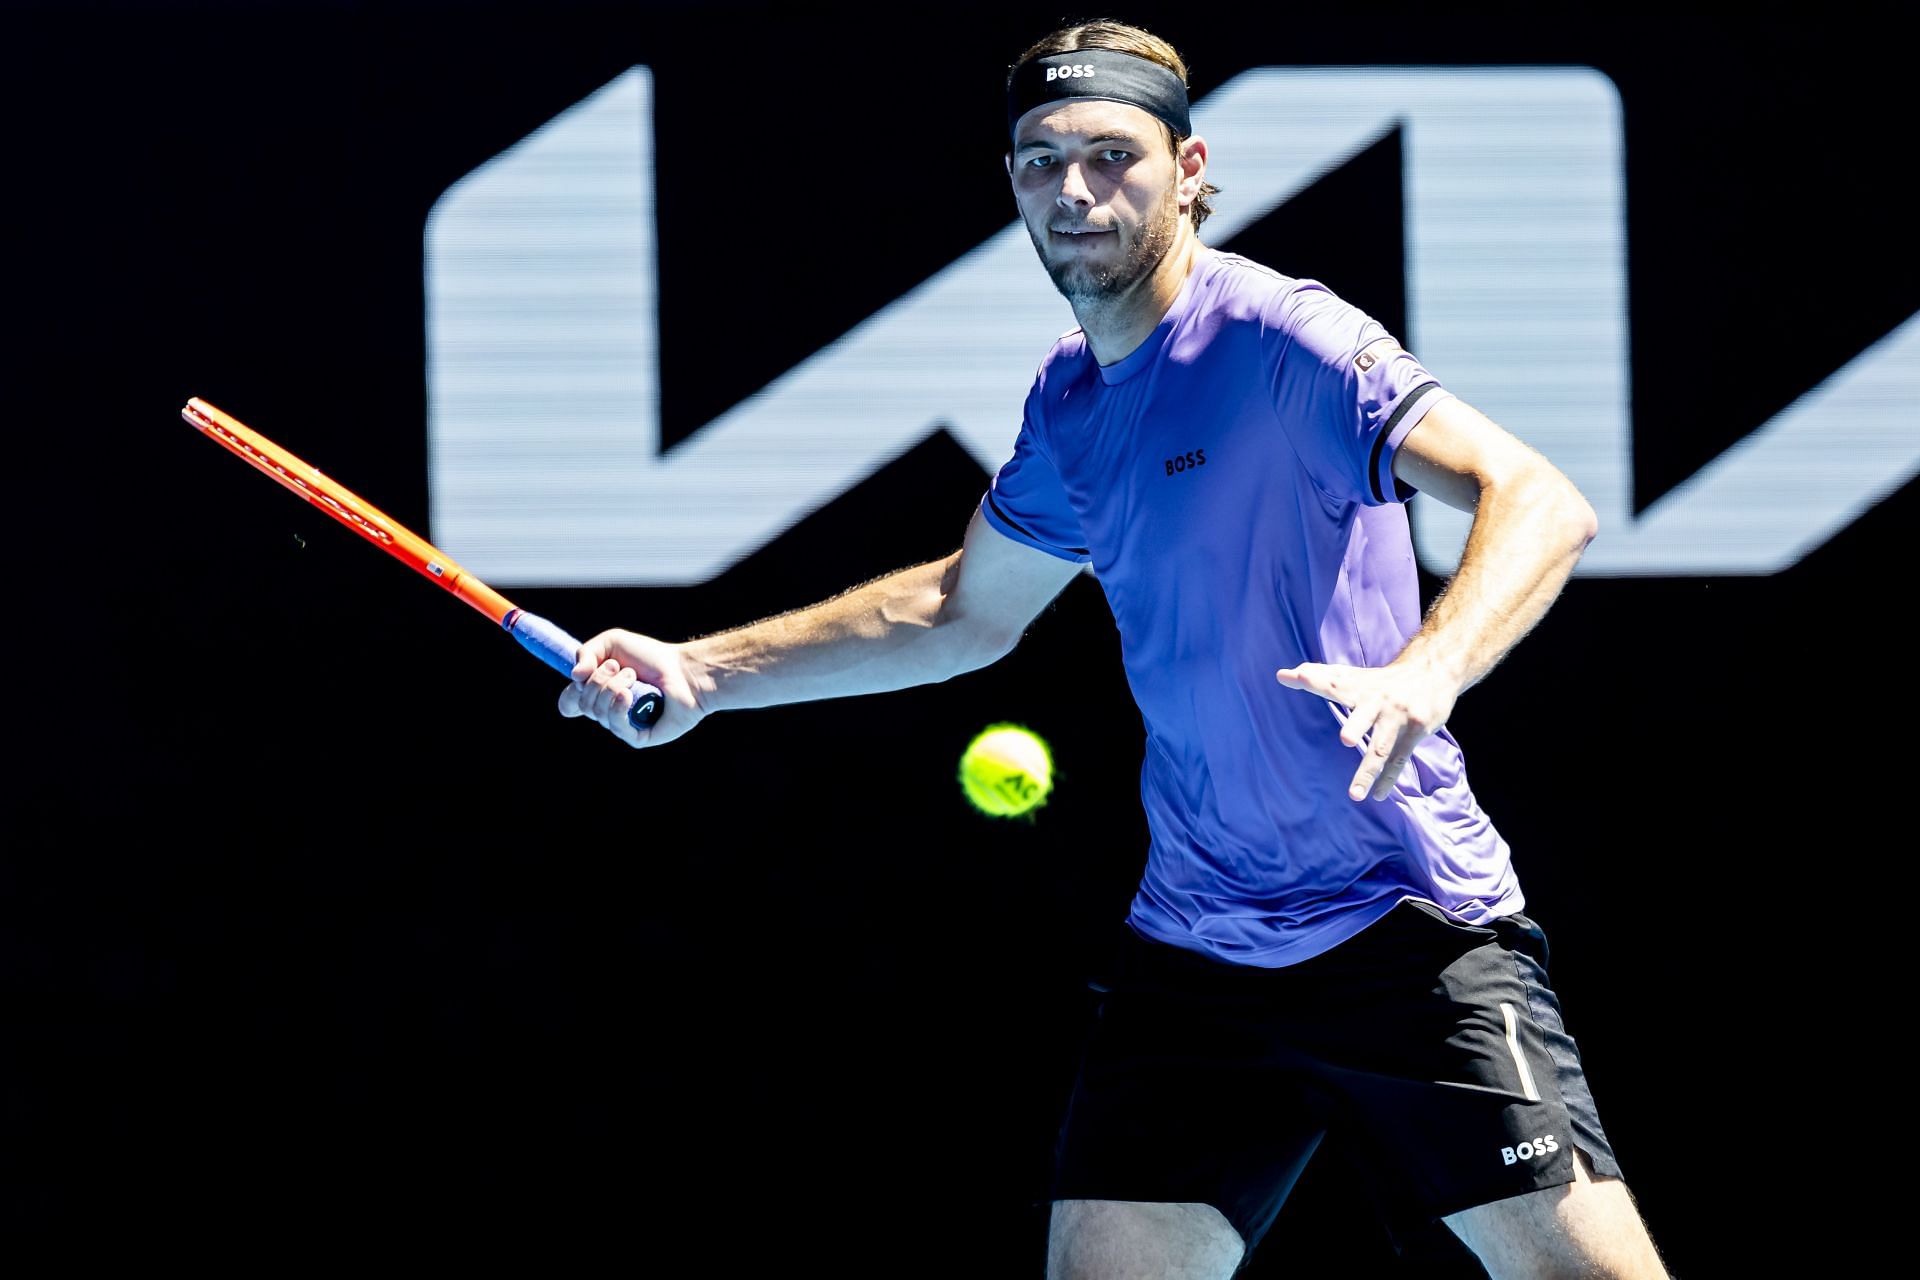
x,y
543,639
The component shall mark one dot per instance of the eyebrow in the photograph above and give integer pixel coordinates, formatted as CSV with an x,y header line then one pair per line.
x,y
1033,143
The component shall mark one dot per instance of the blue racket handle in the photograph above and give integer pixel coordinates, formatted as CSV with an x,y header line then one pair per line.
x,y
557,649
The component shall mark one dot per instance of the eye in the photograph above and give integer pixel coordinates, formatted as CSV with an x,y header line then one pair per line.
x,y
1038,161
1115,155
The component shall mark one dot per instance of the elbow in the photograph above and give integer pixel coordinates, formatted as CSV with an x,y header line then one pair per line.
x,y
971,643
1559,512
1567,510
1583,521
973,640
984,647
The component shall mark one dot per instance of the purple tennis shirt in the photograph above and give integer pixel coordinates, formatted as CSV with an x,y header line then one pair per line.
x,y
1231,481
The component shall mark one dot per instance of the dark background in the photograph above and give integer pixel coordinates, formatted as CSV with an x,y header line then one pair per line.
x,y
316,921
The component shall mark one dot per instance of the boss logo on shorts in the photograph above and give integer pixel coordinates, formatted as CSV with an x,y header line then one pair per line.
x,y
1528,1150
1072,71
1186,461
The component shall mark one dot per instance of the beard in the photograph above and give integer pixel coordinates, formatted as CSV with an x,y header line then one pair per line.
x,y
1084,282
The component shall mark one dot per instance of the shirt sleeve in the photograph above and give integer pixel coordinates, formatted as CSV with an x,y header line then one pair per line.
x,y
1026,500
1347,393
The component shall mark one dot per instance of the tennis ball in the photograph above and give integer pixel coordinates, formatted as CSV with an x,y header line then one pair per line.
x,y
1006,770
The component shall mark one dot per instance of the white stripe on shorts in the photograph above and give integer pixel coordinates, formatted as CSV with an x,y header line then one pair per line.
x,y
1519,1059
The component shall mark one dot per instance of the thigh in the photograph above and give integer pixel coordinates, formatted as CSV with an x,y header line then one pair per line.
x,y
1124,1240
1589,1227
1182,1098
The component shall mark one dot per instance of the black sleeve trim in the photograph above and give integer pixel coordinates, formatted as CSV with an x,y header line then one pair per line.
x,y
1407,402
1002,513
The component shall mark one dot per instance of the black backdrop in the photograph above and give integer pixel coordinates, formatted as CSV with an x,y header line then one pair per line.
x,y
318,920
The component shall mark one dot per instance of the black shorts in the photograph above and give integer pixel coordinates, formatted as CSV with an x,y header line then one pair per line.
x,y
1434,1048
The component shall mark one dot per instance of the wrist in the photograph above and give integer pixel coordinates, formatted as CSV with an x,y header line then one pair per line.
x,y
702,674
1448,667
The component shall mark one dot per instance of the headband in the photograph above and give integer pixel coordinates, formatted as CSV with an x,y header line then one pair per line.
x,y
1099,73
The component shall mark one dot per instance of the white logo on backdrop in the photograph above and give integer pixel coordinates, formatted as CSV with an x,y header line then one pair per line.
x,y
543,370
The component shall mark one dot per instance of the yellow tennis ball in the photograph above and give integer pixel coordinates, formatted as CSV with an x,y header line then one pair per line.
x,y
1006,770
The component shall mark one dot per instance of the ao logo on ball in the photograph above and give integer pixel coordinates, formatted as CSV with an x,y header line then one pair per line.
x,y
1006,771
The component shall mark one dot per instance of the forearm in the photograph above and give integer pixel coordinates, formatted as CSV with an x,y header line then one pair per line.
x,y
1528,532
890,633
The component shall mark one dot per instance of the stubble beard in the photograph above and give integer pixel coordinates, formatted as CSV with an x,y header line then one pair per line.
x,y
1098,285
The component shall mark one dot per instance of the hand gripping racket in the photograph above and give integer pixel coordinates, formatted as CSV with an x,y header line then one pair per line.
x,y
541,638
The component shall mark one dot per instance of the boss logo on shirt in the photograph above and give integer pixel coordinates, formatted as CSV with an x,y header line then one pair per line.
x,y
1072,71
1528,1150
1186,461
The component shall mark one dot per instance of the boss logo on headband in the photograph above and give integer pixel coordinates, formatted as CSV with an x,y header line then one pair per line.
x,y
1072,71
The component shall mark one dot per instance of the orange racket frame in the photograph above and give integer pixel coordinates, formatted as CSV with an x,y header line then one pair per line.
x,y
545,640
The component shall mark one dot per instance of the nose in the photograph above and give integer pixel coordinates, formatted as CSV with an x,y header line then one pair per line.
x,y
1074,194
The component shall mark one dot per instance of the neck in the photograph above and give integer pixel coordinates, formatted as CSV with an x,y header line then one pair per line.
x,y
1115,326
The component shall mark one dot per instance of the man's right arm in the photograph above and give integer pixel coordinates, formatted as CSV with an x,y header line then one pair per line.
x,y
920,625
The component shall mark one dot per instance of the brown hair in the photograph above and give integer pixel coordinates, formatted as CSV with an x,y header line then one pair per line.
x,y
1121,38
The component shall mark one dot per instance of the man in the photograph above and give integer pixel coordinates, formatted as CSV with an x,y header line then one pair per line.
x,y
1328,932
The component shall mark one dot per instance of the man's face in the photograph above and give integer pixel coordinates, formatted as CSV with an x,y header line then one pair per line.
x,y
1096,184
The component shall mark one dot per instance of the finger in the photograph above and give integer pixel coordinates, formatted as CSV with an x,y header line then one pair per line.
x,y
1390,775
588,687
1362,780
570,705
592,654
1314,677
1367,779
1363,777
621,699
1306,675
1406,737
598,691
623,727
1354,730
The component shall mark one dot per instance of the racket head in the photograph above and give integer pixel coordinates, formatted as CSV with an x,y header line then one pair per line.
x,y
321,491
307,482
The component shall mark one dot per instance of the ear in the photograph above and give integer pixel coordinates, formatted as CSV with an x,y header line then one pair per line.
x,y
1008,157
1193,169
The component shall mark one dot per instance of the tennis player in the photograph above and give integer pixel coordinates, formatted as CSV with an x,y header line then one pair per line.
x,y
1328,935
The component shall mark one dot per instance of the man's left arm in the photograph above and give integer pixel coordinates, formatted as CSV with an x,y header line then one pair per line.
x,y
1530,525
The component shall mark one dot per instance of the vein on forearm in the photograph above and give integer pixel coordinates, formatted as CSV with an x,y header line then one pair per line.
x,y
885,634
1528,532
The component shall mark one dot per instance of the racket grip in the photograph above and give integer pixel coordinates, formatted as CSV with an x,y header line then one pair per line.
x,y
553,646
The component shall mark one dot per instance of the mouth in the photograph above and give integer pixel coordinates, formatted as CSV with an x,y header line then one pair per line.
x,y
1081,234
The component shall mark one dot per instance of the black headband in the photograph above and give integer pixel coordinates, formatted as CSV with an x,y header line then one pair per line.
x,y
1099,73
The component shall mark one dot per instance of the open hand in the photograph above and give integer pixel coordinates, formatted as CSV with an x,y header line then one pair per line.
x,y
1390,709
